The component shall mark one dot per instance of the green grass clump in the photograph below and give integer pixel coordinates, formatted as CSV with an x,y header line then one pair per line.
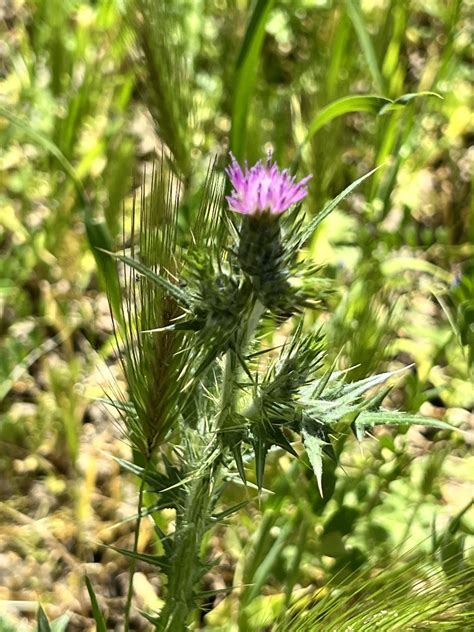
x,y
91,94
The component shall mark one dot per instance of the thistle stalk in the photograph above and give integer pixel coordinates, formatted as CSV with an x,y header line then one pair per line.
x,y
194,519
232,367
208,315
190,529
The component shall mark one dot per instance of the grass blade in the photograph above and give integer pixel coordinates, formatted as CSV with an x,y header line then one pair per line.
x,y
246,73
356,15
333,204
97,231
98,616
405,99
172,289
357,103
100,242
49,146
42,620
163,75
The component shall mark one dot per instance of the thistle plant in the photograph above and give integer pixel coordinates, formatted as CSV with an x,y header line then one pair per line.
x,y
208,393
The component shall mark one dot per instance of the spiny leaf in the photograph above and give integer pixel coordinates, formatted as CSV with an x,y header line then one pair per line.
x,y
163,484
153,619
324,381
203,594
237,453
167,503
261,449
374,402
185,325
166,542
332,411
182,482
353,390
125,407
130,467
358,429
314,449
390,417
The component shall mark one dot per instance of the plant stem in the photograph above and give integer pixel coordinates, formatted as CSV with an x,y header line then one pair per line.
x,y
133,563
232,365
190,529
254,318
193,520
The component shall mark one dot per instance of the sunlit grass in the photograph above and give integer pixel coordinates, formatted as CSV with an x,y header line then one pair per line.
x,y
92,93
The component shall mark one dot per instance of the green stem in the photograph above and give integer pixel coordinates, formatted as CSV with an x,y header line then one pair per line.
x,y
232,365
254,318
409,524
193,519
133,563
190,529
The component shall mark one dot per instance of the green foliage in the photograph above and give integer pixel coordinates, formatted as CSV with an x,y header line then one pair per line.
x,y
462,295
43,623
162,71
357,18
58,203
245,74
156,374
241,405
357,103
97,231
387,600
98,616
389,277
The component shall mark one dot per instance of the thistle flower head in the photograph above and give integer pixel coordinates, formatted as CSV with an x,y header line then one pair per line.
x,y
263,188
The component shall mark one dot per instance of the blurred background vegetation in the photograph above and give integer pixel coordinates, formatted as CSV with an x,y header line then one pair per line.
x,y
90,92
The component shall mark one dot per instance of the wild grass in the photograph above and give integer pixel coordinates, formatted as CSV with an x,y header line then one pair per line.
x,y
94,92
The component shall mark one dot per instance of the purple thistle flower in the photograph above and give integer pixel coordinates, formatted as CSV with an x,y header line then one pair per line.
x,y
263,188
